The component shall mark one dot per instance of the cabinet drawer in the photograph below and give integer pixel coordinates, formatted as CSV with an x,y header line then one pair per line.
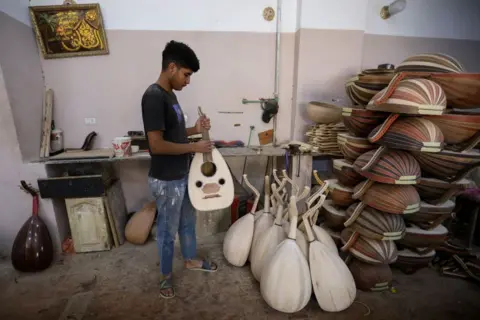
x,y
73,187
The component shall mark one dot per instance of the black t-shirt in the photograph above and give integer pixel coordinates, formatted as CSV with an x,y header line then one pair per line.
x,y
161,111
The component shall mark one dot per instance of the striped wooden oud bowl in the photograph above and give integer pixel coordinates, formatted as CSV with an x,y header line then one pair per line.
x,y
388,166
374,224
390,198
430,216
416,237
431,62
340,195
409,133
435,191
370,277
457,128
368,250
352,147
411,96
410,260
374,81
334,215
345,174
357,94
461,89
448,165
360,122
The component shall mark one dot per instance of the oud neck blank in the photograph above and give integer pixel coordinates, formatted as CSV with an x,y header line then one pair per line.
x,y
207,156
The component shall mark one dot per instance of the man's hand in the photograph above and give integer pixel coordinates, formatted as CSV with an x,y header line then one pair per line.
x,y
203,123
203,146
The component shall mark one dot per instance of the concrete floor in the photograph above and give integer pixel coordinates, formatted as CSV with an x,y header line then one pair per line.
x,y
123,284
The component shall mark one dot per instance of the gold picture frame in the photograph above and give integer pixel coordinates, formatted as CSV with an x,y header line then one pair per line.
x,y
69,30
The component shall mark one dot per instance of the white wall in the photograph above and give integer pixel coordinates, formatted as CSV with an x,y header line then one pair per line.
x,y
204,15
17,9
453,19
17,205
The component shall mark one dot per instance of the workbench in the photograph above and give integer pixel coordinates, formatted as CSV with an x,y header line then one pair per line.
x,y
299,170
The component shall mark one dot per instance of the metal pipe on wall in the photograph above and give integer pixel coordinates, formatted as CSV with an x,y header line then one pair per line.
x,y
277,66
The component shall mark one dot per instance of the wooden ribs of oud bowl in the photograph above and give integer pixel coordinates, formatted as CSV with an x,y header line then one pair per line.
x,y
210,183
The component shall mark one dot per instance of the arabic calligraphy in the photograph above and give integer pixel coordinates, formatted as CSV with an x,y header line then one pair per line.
x,y
71,31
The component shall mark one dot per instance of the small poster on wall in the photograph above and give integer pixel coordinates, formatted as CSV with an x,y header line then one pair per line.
x,y
69,30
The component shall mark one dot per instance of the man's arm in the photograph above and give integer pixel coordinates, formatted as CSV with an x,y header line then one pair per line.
x,y
153,114
160,146
191,131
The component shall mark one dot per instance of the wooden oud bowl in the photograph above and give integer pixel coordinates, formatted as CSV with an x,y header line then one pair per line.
x,y
334,215
390,166
416,237
437,191
324,113
370,277
430,62
374,224
340,195
352,147
409,133
368,250
461,89
360,122
345,174
448,165
457,128
410,261
390,198
358,95
429,216
410,96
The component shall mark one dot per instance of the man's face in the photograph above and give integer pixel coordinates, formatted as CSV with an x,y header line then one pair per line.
x,y
179,77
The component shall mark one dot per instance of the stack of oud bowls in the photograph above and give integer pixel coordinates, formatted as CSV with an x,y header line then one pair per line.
x,y
328,124
406,156
421,96
362,87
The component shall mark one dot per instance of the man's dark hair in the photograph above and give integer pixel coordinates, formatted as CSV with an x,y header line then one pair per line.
x,y
181,54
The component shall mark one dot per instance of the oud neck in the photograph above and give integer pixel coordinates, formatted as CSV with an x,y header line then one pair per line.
x,y
207,156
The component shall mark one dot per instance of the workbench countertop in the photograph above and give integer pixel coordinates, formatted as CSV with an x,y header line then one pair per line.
x,y
142,155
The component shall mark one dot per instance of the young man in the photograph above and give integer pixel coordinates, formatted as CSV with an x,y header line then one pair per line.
x,y
164,125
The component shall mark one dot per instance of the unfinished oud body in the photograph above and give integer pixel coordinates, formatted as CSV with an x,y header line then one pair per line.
x,y
210,182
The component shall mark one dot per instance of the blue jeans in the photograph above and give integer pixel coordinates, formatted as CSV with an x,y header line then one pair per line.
x,y
175,214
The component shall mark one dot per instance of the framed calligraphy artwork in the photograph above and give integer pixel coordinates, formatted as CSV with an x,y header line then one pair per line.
x,y
69,30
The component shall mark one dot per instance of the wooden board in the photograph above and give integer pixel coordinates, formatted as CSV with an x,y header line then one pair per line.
x,y
81,154
46,124
265,137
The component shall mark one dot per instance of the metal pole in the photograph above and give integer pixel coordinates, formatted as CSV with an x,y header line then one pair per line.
x,y
277,67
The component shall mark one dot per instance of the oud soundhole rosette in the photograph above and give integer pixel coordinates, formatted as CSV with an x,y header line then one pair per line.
x,y
208,169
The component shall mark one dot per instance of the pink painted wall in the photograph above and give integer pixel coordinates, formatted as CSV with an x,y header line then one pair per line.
x,y
21,90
